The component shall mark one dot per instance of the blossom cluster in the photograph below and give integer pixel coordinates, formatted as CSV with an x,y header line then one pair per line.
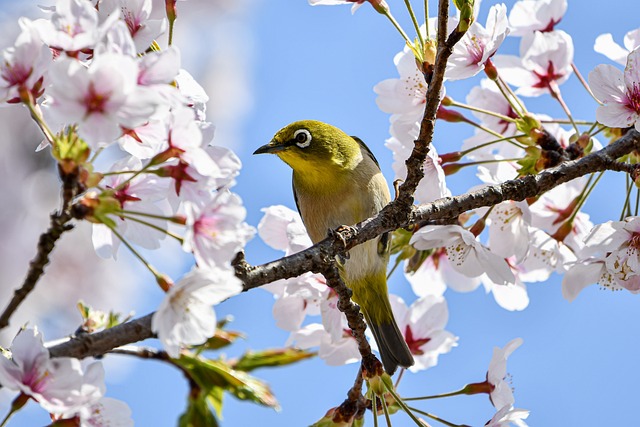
x,y
121,116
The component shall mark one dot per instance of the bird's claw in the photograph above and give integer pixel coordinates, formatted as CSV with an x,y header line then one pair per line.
x,y
338,233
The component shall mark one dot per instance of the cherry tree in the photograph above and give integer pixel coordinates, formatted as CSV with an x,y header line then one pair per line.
x,y
139,162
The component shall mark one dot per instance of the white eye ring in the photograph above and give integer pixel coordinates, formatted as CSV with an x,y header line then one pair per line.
x,y
302,137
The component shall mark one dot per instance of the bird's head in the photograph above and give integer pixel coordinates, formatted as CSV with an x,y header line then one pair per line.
x,y
310,145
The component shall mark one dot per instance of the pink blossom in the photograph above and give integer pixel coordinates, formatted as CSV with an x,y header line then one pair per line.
x,y
436,274
106,412
144,193
508,416
379,5
136,14
467,255
605,45
282,229
620,93
185,316
478,45
404,96
545,61
217,231
58,385
73,27
422,325
101,99
528,16
24,66
612,250
334,353
501,394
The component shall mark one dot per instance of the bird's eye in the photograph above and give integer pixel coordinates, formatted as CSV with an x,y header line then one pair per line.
x,y
302,138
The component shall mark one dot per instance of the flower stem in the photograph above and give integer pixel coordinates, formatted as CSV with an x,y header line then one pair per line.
x,y
437,396
415,23
403,405
426,18
483,111
385,409
398,27
374,409
495,141
433,417
153,271
16,405
511,97
584,82
555,93
153,226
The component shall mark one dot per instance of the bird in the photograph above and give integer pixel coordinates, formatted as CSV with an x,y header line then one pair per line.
x,y
337,182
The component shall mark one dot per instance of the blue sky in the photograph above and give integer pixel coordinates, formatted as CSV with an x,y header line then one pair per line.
x,y
577,364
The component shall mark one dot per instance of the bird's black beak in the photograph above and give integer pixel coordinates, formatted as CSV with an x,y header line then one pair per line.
x,y
270,148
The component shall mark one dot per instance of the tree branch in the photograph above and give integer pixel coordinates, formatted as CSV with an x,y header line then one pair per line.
x,y
99,343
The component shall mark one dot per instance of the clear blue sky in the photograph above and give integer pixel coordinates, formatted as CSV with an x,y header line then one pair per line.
x,y
577,365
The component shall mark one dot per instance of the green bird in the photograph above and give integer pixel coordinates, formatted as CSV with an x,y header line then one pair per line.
x,y
337,181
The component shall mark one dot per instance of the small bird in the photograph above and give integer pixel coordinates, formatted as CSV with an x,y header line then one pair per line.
x,y
337,181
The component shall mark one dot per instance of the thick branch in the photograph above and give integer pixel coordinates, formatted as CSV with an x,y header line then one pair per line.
x,y
99,343
435,79
391,218
370,364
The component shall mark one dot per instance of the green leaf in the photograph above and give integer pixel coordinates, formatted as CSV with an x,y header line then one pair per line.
x,y
215,373
198,412
273,357
221,339
215,397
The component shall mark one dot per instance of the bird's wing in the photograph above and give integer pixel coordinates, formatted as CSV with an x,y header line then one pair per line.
x,y
295,197
384,242
366,149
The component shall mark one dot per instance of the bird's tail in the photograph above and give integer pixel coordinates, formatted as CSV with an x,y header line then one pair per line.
x,y
392,345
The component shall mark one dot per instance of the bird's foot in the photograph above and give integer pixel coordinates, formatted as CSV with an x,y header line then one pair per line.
x,y
340,232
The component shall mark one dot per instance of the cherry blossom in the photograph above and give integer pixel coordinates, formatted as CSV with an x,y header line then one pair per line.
x,y
512,297
404,97
509,229
478,45
586,272
73,27
58,385
144,193
422,325
136,14
282,229
620,93
101,99
528,16
24,65
605,45
106,412
508,416
544,62
297,298
339,353
436,274
615,244
467,255
217,231
379,5
185,316
501,394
